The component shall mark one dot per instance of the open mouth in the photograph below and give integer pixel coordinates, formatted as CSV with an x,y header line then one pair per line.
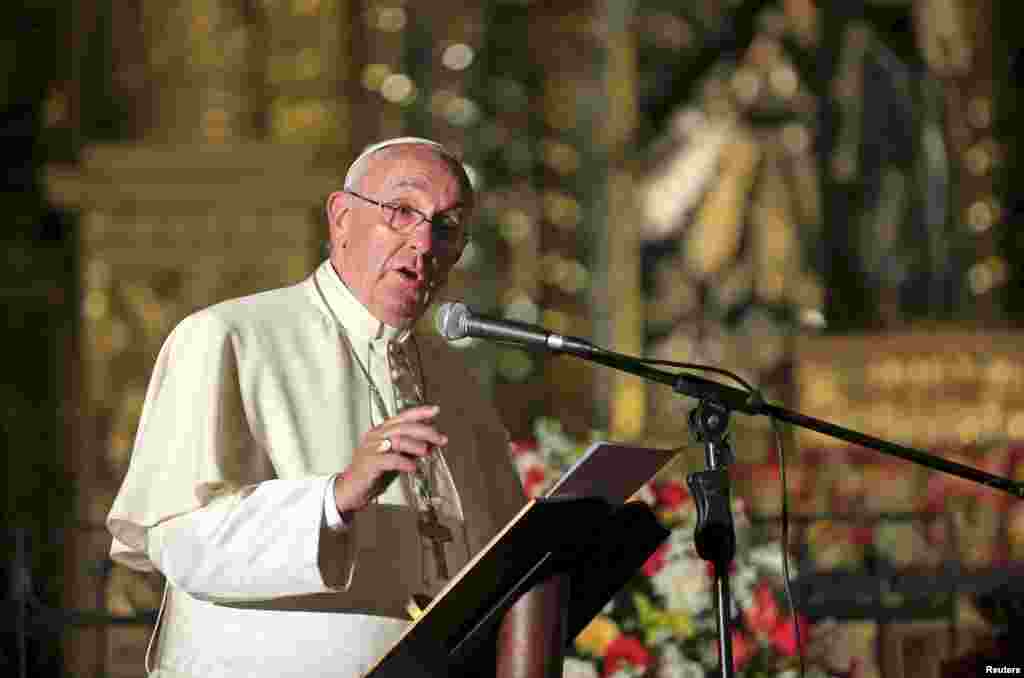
x,y
409,275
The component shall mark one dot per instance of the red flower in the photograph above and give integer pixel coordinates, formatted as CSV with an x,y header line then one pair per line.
x,y
671,494
784,636
535,477
743,648
625,649
762,616
862,536
656,561
518,447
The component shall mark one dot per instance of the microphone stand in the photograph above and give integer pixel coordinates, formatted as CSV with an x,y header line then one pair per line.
x,y
714,535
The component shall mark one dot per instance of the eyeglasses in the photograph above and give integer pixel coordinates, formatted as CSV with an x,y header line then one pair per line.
x,y
404,219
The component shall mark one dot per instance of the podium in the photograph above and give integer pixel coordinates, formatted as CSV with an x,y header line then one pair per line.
x,y
586,547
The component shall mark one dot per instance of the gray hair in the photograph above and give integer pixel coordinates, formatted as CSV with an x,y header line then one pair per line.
x,y
358,168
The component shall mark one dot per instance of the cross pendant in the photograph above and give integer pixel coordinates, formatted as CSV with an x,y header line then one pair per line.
x,y
431,528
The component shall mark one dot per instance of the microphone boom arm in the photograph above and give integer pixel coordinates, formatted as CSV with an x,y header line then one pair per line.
x,y
741,401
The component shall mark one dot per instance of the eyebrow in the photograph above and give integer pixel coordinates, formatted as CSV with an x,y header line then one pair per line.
x,y
414,182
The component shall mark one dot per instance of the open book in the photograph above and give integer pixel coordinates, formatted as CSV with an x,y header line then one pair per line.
x,y
613,472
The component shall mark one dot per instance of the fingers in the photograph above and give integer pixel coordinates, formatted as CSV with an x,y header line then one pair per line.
x,y
368,478
427,434
410,432
387,450
394,461
407,444
418,413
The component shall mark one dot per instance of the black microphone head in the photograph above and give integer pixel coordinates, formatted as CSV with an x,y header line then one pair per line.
x,y
450,320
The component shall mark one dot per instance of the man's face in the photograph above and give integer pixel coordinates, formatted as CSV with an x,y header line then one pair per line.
x,y
395,275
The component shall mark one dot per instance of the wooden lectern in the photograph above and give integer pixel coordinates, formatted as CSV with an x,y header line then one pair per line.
x,y
586,548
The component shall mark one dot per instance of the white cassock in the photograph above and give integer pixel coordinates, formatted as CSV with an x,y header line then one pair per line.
x,y
253,406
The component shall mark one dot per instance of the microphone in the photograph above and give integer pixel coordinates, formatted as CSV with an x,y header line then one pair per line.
x,y
455,320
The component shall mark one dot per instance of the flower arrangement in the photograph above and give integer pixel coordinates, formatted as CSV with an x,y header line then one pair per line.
x,y
663,623
989,524
939,515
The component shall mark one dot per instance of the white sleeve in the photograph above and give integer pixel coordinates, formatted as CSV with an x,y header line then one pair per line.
x,y
261,543
333,520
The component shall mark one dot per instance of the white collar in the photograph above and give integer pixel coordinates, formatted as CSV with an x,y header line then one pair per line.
x,y
361,325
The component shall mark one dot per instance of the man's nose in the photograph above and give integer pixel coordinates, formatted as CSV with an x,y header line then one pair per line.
x,y
422,238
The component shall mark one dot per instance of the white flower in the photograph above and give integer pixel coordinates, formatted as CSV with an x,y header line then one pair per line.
x,y
768,558
527,460
680,545
551,439
673,664
742,599
744,580
577,668
683,584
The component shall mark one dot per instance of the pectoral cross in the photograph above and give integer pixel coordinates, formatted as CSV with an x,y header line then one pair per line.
x,y
431,528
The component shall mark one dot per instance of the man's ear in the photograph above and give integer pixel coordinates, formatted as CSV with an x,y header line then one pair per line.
x,y
337,206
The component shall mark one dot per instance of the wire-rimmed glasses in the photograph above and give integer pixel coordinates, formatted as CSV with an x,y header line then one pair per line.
x,y
404,219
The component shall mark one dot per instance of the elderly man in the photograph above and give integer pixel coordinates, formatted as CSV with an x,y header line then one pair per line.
x,y
307,470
